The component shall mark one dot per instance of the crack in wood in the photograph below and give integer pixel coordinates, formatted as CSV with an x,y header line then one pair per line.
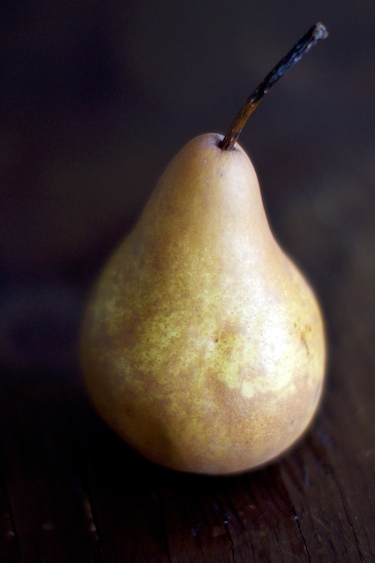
x,y
331,471
93,526
348,517
296,519
231,543
218,505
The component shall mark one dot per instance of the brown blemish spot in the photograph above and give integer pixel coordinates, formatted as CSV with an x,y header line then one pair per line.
x,y
303,336
304,342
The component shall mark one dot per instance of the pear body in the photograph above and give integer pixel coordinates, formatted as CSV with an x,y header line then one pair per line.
x,y
202,344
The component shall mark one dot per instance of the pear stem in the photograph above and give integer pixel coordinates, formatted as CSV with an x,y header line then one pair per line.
x,y
303,46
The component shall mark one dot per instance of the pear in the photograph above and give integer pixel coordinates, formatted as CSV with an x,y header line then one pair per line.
x,y
202,344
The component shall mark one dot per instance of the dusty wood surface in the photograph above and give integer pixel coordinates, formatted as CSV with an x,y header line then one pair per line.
x,y
73,177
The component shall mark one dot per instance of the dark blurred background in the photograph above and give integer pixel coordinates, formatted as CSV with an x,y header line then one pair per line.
x,y
96,98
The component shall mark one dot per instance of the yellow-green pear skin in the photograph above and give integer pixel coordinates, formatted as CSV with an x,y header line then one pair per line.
x,y
202,344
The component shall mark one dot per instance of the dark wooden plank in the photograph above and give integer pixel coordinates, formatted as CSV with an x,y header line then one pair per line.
x,y
48,508
148,511
122,492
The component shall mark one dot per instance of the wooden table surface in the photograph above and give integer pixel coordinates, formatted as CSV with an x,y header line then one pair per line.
x,y
81,149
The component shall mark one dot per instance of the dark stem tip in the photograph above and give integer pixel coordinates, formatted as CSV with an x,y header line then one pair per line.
x,y
303,46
